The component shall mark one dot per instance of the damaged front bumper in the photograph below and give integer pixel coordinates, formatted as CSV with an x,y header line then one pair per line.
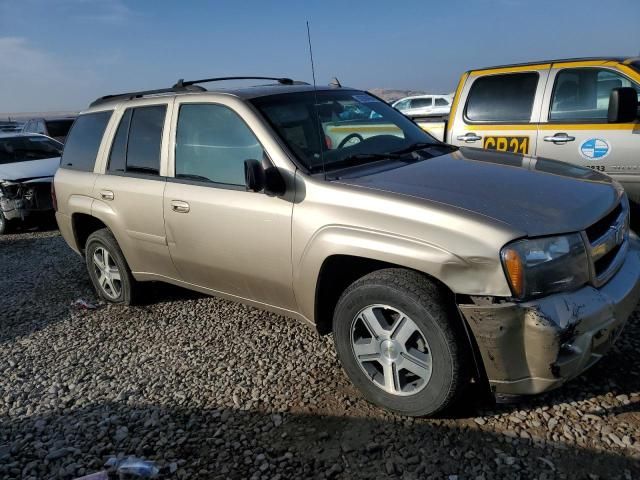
x,y
22,199
531,347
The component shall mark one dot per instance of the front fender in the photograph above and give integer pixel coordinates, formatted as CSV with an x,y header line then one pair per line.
x,y
472,275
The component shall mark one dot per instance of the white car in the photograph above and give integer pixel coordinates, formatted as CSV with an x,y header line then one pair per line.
x,y
424,105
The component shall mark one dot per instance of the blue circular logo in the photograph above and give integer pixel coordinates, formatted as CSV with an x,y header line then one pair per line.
x,y
595,149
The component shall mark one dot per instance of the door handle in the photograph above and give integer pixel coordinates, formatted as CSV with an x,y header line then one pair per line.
x,y
179,206
107,195
559,138
469,137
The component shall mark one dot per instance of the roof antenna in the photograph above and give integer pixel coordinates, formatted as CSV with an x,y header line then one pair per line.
x,y
315,104
335,83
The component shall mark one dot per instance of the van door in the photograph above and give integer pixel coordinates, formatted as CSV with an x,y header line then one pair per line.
x,y
129,196
574,126
500,110
221,236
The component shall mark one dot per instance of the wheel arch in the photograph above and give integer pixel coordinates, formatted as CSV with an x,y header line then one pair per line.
x,y
84,225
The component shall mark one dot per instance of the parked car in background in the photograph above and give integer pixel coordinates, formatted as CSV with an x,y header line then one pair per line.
x,y
424,105
55,127
10,126
434,266
28,163
583,111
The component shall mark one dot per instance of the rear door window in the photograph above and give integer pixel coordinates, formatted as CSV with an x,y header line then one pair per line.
x,y
502,98
441,102
421,102
145,138
582,94
83,142
136,145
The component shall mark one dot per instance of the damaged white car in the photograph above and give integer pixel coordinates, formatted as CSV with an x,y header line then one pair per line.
x,y
27,166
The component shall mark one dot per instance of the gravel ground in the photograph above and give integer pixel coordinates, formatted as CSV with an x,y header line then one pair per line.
x,y
211,389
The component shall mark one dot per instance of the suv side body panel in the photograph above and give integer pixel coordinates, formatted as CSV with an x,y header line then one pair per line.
x,y
365,223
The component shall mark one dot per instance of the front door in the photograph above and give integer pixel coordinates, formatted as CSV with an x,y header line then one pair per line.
x,y
501,111
574,126
221,236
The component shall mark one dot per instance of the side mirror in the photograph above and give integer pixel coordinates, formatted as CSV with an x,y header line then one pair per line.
x,y
258,179
623,105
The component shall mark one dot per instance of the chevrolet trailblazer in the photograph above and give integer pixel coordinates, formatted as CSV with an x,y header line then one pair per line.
x,y
434,266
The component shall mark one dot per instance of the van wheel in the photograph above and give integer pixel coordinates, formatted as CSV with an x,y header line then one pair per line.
x,y
108,269
400,343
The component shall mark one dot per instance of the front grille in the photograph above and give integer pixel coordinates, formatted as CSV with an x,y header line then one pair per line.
x,y
599,228
608,243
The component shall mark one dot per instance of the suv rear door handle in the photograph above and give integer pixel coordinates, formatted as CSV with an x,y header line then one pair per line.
x,y
179,206
469,137
107,195
559,138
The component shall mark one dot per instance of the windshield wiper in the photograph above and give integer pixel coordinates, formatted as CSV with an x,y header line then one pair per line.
x,y
422,145
360,159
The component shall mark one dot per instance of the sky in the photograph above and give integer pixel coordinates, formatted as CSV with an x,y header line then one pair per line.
x,y
62,54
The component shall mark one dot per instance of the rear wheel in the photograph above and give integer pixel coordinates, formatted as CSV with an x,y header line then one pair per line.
x,y
108,269
399,342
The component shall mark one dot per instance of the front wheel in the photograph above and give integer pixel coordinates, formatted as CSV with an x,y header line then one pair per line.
x,y
400,343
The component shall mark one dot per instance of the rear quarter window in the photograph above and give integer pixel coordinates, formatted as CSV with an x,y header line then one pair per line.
x,y
83,141
502,98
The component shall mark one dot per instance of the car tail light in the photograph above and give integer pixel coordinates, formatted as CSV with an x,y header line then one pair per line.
x,y
328,142
54,199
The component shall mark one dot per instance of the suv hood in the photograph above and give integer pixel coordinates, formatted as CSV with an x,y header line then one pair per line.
x,y
535,195
20,171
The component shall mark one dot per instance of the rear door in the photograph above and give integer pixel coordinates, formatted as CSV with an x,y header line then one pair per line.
x,y
574,124
500,109
129,196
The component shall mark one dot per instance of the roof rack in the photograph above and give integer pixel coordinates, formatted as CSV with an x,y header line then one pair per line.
x,y
187,86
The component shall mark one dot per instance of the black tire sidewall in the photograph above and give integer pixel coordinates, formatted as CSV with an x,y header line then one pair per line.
x,y
106,240
434,396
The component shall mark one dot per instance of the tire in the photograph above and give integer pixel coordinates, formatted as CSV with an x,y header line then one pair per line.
x,y
115,284
416,337
5,225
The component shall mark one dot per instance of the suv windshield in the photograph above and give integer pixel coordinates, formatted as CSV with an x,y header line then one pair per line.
x,y
25,148
356,128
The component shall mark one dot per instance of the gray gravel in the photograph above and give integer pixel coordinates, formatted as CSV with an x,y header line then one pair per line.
x,y
211,389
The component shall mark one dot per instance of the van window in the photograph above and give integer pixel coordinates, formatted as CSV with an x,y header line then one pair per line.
x,y
502,98
582,94
212,143
145,138
84,139
441,102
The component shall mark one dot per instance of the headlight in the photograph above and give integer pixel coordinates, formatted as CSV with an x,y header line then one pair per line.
x,y
542,266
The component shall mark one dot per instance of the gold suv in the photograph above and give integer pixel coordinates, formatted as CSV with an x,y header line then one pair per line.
x,y
434,266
